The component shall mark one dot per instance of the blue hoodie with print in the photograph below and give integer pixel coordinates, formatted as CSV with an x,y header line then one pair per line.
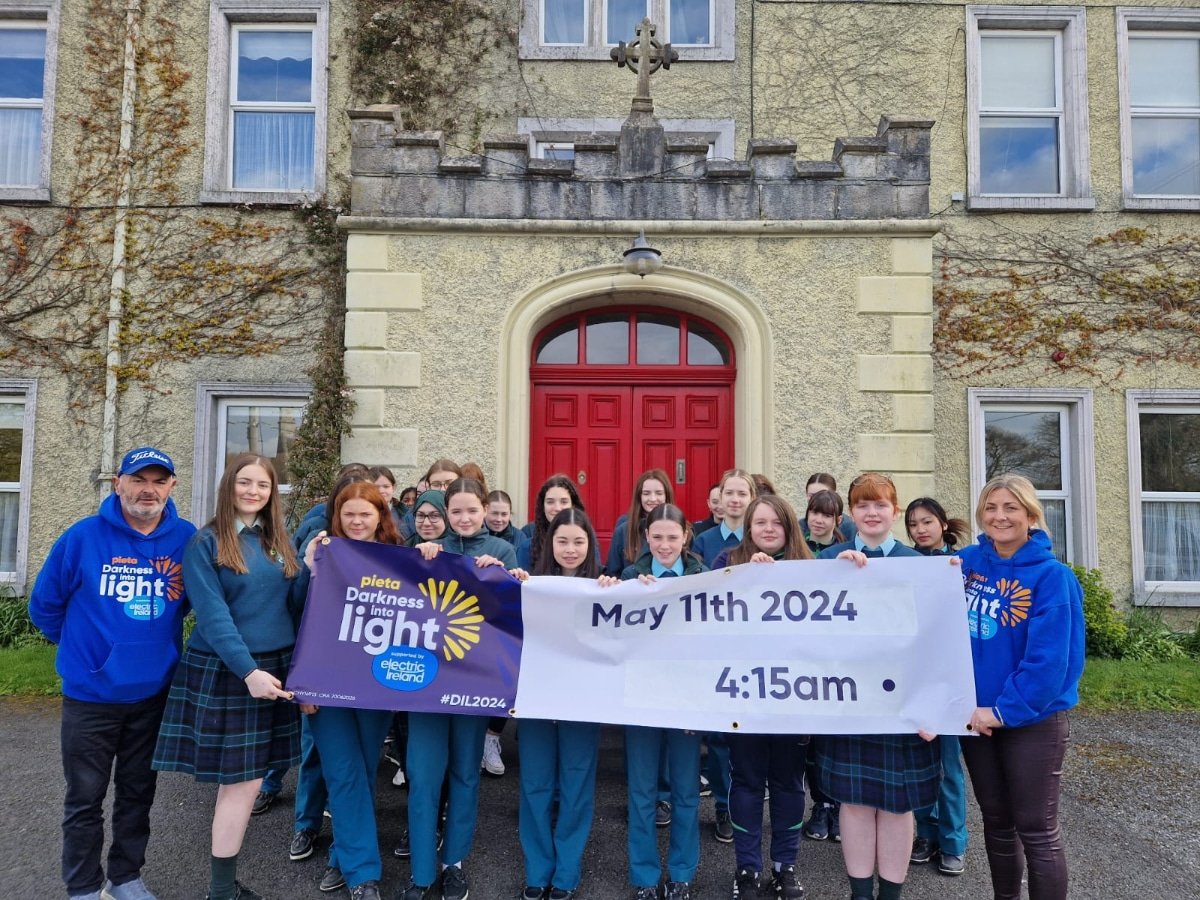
x,y
112,598
1027,630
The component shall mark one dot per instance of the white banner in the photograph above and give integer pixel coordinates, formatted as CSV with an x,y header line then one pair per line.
x,y
806,647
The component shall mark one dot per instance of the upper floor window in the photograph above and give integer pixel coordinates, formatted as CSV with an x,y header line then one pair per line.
x,y
1027,94
587,29
266,121
28,36
1159,64
554,138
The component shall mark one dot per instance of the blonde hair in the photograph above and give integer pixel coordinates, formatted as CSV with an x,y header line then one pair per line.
x,y
1022,489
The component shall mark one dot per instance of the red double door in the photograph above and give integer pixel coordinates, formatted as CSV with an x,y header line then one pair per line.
x,y
604,423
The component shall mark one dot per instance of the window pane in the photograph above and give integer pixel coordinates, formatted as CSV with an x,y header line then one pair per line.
x,y
658,340
607,340
563,22
273,151
12,423
624,16
1027,443
1166,156
20,146
10,502
22,62
560,346
1017,72
1170,451
690,22
559,152
1056,526
274,66
705,348
1018,155
1171,541
268,431
1164,72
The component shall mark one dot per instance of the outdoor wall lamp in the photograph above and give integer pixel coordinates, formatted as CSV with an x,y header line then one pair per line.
x,y
642,259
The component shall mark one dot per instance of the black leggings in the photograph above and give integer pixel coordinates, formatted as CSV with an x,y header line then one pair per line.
x,y
1017,777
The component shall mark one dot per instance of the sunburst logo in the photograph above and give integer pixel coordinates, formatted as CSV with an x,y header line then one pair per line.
x,y
1015,601
173,572
462,614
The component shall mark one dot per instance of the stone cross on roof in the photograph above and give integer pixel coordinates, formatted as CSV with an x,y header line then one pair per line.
x,y
644,56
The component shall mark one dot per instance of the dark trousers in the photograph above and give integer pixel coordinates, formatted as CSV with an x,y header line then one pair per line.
x,y
758,761
1017,777
94,737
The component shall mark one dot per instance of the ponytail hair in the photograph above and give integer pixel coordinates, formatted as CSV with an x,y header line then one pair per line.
x,y
955,532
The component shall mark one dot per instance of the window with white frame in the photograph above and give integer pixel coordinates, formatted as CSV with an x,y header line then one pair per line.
x,y
1027,99
1045,435
554,138
28,42
244,418
266,124
16,456
1165,491
1159,64
587,29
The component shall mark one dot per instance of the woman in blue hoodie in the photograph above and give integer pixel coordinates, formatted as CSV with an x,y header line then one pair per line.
x,y
1027,640
440,743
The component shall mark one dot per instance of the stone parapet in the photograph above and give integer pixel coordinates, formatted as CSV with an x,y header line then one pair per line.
x,y
643,173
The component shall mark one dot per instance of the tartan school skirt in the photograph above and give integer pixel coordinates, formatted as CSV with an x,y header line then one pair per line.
x,y
897,773
215,731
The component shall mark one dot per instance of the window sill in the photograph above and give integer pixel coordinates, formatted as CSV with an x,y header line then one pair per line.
x,y
29,194
257,198
1168,594
1032,204
1161,204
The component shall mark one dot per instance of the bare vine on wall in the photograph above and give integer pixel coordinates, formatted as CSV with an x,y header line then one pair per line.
x,y
201,282
1095,306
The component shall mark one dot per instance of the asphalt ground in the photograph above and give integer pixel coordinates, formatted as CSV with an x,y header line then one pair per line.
x,y
1131,819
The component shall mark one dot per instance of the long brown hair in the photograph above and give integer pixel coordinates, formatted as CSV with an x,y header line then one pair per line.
x,y
274,536
540,523
385,531
548,565
635,525
794,546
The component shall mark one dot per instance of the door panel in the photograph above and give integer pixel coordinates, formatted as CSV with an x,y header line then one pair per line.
x,y
686,432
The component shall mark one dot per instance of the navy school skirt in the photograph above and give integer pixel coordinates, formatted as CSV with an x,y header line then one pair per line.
x,y
215,731
897,773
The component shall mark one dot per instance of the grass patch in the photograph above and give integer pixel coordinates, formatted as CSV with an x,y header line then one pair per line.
x,y
29,671
1132,684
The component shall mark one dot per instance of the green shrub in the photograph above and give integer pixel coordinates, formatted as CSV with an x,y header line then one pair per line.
x,y
1106,632
1190,641
15,628
1149,639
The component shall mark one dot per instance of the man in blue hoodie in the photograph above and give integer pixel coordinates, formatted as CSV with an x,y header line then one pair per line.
x,y
111,596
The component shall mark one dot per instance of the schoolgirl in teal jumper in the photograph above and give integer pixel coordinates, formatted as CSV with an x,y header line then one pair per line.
x,y
438,742
558,758
652,489
348,740
228,719
942,827
667,533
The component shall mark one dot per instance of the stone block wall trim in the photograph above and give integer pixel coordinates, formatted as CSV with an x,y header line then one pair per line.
x,y
366,330
366,253
383,290
382,368
394,447
896,452
912,334
895,374
642,174
912,412
895,294
368,408
912,256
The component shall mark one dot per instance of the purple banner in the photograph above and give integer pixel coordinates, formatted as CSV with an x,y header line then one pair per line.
x,y
384,629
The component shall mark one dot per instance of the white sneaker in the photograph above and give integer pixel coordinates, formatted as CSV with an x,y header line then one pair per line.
x,y
130,890
492,763
398,779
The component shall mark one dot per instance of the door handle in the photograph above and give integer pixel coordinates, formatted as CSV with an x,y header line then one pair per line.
x,y
581,478
681,471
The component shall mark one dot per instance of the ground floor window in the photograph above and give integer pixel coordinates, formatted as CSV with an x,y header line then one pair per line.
x,y
16,452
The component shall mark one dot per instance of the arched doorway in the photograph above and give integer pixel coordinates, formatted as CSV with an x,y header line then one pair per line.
x,y
618,390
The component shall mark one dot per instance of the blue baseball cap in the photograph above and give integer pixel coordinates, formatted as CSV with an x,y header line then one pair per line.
x,y
144,457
